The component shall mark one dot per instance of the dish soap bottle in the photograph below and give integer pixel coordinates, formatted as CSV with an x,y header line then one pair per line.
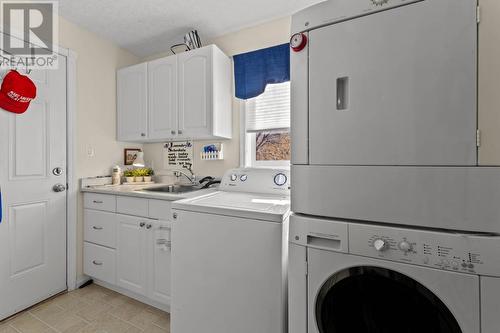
x,y
117,175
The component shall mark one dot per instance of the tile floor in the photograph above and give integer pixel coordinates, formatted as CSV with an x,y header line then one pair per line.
x,y
93,309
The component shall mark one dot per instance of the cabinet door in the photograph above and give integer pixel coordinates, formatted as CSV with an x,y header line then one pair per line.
x,y
160,262
162,78
132,103
131,254
195,93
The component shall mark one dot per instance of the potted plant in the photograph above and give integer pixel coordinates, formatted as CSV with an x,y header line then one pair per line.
x,y
139,175
148,174
129,175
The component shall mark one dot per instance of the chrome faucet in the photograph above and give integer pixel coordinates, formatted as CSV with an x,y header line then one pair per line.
x,y
192,178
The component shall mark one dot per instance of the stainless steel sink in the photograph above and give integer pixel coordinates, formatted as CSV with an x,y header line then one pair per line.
x,y
172,189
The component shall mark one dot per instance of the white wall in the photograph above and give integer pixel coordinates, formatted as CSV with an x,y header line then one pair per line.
x,y
97,62
250,39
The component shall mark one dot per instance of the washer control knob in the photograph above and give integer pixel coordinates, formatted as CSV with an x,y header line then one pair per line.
x,y
243,178
404,246
234,177
380,245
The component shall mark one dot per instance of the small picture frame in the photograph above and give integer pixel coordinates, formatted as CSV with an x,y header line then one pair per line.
x,y
129,155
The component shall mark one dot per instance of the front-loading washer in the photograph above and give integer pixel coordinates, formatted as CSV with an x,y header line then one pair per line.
x,y
347,277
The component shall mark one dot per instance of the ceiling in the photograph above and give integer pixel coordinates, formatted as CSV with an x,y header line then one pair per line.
x,y
147,27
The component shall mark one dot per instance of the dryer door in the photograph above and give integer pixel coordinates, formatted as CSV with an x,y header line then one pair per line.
x,y
353,294
395,88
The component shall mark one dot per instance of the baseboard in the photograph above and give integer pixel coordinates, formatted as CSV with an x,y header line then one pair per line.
x,y
140,298
81,280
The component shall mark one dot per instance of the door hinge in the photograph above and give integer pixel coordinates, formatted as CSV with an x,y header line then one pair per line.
x,y
306,264
478,14
478,138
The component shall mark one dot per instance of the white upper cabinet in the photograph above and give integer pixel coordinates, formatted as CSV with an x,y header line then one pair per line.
x,y
132,103
162,80
189,96
195,92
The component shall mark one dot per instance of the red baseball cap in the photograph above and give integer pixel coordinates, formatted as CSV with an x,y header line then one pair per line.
x,y
17,92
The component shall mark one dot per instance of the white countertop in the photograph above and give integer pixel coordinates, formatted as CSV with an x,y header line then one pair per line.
x,y
136,191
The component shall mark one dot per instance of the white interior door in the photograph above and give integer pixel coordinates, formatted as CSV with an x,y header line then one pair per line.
x,y
33,229
396,87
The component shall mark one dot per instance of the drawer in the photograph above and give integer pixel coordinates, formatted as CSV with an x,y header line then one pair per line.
x,y
99,201
99,227
132,206
160,210
99,262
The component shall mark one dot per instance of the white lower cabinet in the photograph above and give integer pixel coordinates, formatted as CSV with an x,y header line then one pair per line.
x,y
131,264
131,252
99,262
159,262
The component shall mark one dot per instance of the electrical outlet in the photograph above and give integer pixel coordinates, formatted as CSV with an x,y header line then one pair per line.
x,y
90,151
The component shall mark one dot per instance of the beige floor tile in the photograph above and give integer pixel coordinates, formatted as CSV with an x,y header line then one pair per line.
x,y
92,310
46,310
162,319
114,298
152,328
26,323
145,318
128,310
70,302
7,329
66,322
108,324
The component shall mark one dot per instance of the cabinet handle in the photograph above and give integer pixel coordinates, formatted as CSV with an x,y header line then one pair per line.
x,y
172,132
97,263
98,202
143,134
149,226
175,216
179,131
97,228
142,224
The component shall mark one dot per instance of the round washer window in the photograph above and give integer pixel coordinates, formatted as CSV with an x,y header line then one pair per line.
x,y
377,300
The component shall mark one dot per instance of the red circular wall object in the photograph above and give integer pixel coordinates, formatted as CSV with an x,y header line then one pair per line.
x,y
298,42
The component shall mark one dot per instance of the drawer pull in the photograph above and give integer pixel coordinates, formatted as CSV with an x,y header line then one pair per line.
x,y
142,224
149,226
97,228
98,202
97,263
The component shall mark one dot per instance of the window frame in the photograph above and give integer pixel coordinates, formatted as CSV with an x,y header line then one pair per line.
x,y
248,149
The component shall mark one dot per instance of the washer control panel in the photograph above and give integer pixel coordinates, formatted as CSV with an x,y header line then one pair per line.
x,y
267,181
459,252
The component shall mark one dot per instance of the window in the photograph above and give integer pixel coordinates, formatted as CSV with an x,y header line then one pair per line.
x,y
266,125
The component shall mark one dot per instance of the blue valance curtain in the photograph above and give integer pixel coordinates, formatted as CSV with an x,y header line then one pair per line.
x,y
254,70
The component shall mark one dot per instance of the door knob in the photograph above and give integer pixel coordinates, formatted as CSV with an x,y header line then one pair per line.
x,y
59,188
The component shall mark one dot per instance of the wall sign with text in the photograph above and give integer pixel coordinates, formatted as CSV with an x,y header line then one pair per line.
x,y
178,155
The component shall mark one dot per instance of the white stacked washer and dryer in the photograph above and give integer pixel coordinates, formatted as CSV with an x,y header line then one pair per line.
x,y
395,227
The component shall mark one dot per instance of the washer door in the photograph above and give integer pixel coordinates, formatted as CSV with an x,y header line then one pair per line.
x,y
378,297
356,300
